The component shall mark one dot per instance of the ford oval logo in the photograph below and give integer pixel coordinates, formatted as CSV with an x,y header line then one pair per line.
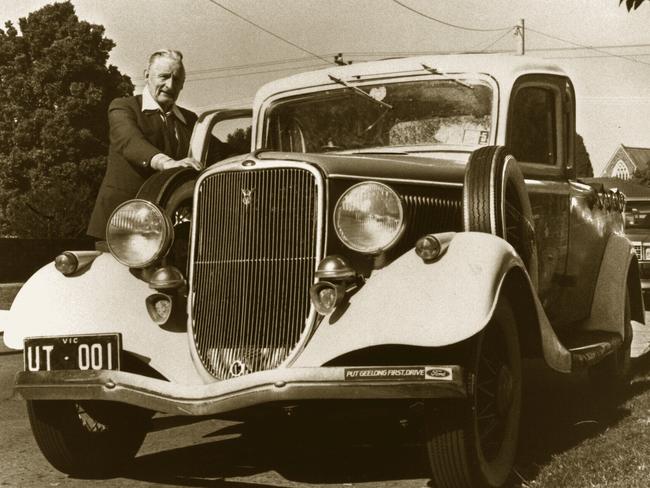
x,y
438,373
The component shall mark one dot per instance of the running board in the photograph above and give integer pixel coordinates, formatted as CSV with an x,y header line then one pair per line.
x,y
589,348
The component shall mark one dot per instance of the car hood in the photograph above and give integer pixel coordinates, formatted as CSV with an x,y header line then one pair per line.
x,y
379,166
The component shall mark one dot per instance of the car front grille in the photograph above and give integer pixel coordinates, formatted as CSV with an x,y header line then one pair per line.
x,y
255,249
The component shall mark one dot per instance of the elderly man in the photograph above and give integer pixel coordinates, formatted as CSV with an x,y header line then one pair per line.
x,y
148,133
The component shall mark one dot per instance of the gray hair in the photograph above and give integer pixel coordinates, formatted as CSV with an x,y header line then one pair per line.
x,y
165,53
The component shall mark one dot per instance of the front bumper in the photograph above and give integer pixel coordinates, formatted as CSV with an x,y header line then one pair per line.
x,y
290,384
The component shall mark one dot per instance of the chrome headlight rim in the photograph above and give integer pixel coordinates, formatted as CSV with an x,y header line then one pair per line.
x,y
165,243
378,249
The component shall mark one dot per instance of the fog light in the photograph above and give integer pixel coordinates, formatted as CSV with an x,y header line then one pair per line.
x,y
166,278
159,307
66,263
433,246
335,268
326,296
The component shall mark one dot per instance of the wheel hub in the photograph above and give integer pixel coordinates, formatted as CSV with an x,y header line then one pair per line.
x,y
504,390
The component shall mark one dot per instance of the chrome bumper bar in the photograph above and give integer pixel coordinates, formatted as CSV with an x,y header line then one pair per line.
x,y
290,384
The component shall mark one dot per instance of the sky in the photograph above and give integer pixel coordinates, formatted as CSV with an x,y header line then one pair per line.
x,y
227,57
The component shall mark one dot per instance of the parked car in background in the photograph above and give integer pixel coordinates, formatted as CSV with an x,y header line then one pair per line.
x,y
637,229
402,235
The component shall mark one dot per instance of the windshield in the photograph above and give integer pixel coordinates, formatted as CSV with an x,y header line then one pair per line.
x,y
637,215
416,113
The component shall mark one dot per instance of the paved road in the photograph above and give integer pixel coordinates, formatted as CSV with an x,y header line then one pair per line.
x,y
183,451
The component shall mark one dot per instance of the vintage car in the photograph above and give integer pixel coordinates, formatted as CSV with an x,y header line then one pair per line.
x,y
637,229
404,232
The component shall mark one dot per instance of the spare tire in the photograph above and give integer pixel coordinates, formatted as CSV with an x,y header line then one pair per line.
x,y
495,201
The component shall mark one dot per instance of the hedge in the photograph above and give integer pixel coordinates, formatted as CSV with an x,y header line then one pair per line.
x,y
20,258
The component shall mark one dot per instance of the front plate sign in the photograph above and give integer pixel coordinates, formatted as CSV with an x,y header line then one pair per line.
x,y
81,353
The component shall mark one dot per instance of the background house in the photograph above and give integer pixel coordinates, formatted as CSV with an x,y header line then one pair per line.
x,y
626,161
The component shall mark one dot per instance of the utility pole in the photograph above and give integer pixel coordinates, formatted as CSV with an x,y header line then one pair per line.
x,y
520,32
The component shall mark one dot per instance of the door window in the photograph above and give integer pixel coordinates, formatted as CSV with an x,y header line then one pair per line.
x,y
229,137
534,123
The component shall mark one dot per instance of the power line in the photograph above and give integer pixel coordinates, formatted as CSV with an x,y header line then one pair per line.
x,y
319,65
268,31
497,40
357,54
246,66
236,75
408,53
240,67
592,56
628,58
580,48
448,24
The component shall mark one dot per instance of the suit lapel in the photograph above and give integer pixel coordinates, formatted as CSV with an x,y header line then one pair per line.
x,y
152,127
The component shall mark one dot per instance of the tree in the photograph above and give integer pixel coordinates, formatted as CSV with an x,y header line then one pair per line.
x,y
55,87
583,161
641,176
631,4
240,140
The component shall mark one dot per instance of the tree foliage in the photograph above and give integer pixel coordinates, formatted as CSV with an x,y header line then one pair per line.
x,y
631,4
55,87
583,161
641,176
240,140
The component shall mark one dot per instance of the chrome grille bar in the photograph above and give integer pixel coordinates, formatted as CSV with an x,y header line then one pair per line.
x,y
256,244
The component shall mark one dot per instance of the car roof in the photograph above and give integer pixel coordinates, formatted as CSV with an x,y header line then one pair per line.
x,y
505,68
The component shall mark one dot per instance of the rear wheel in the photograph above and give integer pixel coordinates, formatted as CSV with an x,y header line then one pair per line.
x,y
89,438
474,445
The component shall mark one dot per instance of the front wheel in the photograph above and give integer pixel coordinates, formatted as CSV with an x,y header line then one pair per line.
x,y
89,438
474,445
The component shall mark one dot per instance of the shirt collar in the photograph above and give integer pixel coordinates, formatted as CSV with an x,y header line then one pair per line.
x,y
148,103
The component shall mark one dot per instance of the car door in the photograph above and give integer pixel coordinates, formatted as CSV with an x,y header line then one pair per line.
x,y
537,137
221,133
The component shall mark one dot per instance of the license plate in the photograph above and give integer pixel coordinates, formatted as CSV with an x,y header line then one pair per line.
x,y
82,352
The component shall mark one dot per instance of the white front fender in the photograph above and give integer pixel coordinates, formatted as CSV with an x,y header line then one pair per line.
x,y
417,304
106,298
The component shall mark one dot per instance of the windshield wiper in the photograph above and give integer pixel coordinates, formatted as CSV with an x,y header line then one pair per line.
x,y
358,90
434,71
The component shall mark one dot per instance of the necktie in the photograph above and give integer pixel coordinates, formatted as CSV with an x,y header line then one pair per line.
x,y
171,141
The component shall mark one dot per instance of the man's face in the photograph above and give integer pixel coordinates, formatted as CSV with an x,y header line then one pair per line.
x,y
165,78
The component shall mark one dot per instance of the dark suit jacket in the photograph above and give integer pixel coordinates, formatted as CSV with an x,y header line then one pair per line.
x,y
135,137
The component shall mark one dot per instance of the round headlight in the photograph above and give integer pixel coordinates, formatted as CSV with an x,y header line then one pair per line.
x,y
138,233
369,217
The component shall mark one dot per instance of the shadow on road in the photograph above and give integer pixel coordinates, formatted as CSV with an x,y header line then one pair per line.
x,y
560,412
325,454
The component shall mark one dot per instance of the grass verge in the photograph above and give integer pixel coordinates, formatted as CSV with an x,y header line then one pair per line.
x,y
576,436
